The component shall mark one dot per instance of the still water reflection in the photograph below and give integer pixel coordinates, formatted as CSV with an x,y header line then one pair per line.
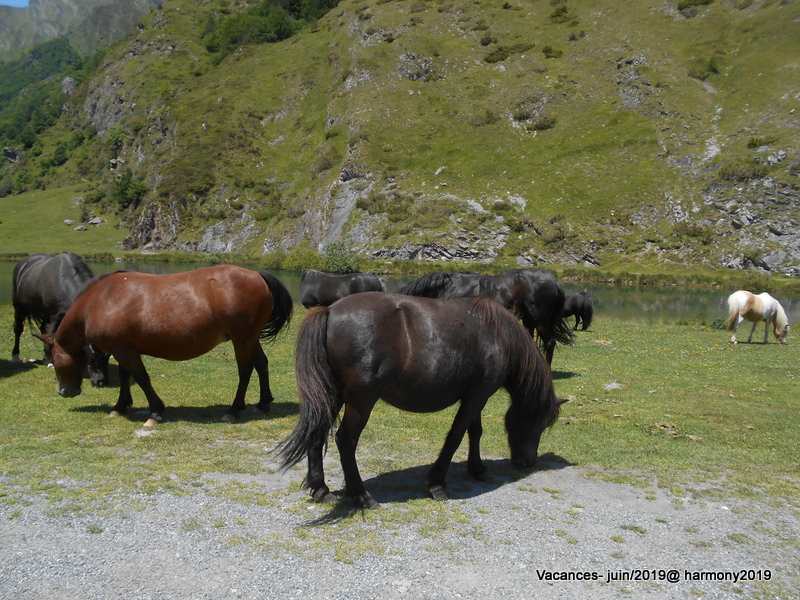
x,y
623,302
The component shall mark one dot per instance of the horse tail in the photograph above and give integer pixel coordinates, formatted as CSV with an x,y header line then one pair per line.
x,y
316,388
733,311
562,332
382,282
282,306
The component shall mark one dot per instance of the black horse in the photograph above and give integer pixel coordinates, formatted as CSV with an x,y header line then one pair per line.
x,y
534,295
419,355
320,289
44,287
579,305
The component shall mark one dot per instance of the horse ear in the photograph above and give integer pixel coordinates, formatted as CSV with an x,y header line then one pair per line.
x,y
47,339
560,401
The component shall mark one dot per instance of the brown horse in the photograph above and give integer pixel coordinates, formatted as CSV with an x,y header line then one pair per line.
x,y
176,317
420,355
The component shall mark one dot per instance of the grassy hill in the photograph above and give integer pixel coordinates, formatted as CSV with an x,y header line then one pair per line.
x,y
527,132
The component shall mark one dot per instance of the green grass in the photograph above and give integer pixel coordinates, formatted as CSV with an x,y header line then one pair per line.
x,y
695,416
34,222
268,130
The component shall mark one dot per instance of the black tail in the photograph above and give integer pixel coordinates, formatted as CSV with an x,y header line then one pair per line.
x,y
316,388
282,306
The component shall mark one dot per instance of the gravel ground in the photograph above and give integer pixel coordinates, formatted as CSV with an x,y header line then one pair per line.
x,y
512,539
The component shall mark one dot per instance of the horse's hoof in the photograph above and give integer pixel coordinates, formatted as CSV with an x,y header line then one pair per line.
x,y
115,413
229,418
15,361
437,492
323,495
366,501
151,422
261,409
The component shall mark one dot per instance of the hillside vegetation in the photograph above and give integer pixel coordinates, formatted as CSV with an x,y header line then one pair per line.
x,y
530,132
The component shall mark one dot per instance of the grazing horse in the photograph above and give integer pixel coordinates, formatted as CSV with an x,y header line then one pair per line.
x,y
43,287
534,295
579,305
176,317
420,355
756,308
320,289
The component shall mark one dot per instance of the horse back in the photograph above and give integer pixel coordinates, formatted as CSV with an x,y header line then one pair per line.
x,y
46,284
418,354
175,316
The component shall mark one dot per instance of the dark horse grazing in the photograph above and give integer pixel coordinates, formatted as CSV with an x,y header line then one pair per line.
x,y
580,306
534,295
420,355
45,286
176,317
320,289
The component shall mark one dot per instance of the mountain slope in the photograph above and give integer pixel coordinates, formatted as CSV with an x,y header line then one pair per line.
x,y
571,131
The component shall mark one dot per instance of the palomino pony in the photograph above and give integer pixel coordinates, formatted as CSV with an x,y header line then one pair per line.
x,y
579,305
534,295
176,317
43,287
756,308
420,355
320,289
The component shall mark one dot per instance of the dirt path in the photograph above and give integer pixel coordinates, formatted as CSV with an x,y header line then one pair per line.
x,y
552,534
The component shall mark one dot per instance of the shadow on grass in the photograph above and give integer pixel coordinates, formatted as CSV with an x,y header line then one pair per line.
x,y
195,414
410,484
563,375
7,369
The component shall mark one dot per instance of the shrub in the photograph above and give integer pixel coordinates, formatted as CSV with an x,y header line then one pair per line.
x,y
742,170
299,259
543,123
339,258
550,52
684,4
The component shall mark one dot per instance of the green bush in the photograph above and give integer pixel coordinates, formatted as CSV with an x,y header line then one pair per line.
x,y
742,170
299,259
339,258
684,4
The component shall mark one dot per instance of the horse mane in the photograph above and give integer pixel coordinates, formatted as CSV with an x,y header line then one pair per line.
x,y
431,285
781,320
529,382
81,268
309,273
428,286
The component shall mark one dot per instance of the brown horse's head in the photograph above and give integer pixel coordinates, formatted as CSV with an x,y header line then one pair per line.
x,y
69,367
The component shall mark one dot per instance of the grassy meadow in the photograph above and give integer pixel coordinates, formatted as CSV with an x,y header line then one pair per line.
x,y
672,406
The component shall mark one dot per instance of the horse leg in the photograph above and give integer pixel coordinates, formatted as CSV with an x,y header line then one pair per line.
x,y
132,363
19,325
475,465
466,418
315,479
261,363
766,331
125,399
752,331
347,437
48,348
736,322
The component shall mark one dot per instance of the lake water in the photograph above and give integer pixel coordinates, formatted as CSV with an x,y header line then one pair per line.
x,y
625,302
